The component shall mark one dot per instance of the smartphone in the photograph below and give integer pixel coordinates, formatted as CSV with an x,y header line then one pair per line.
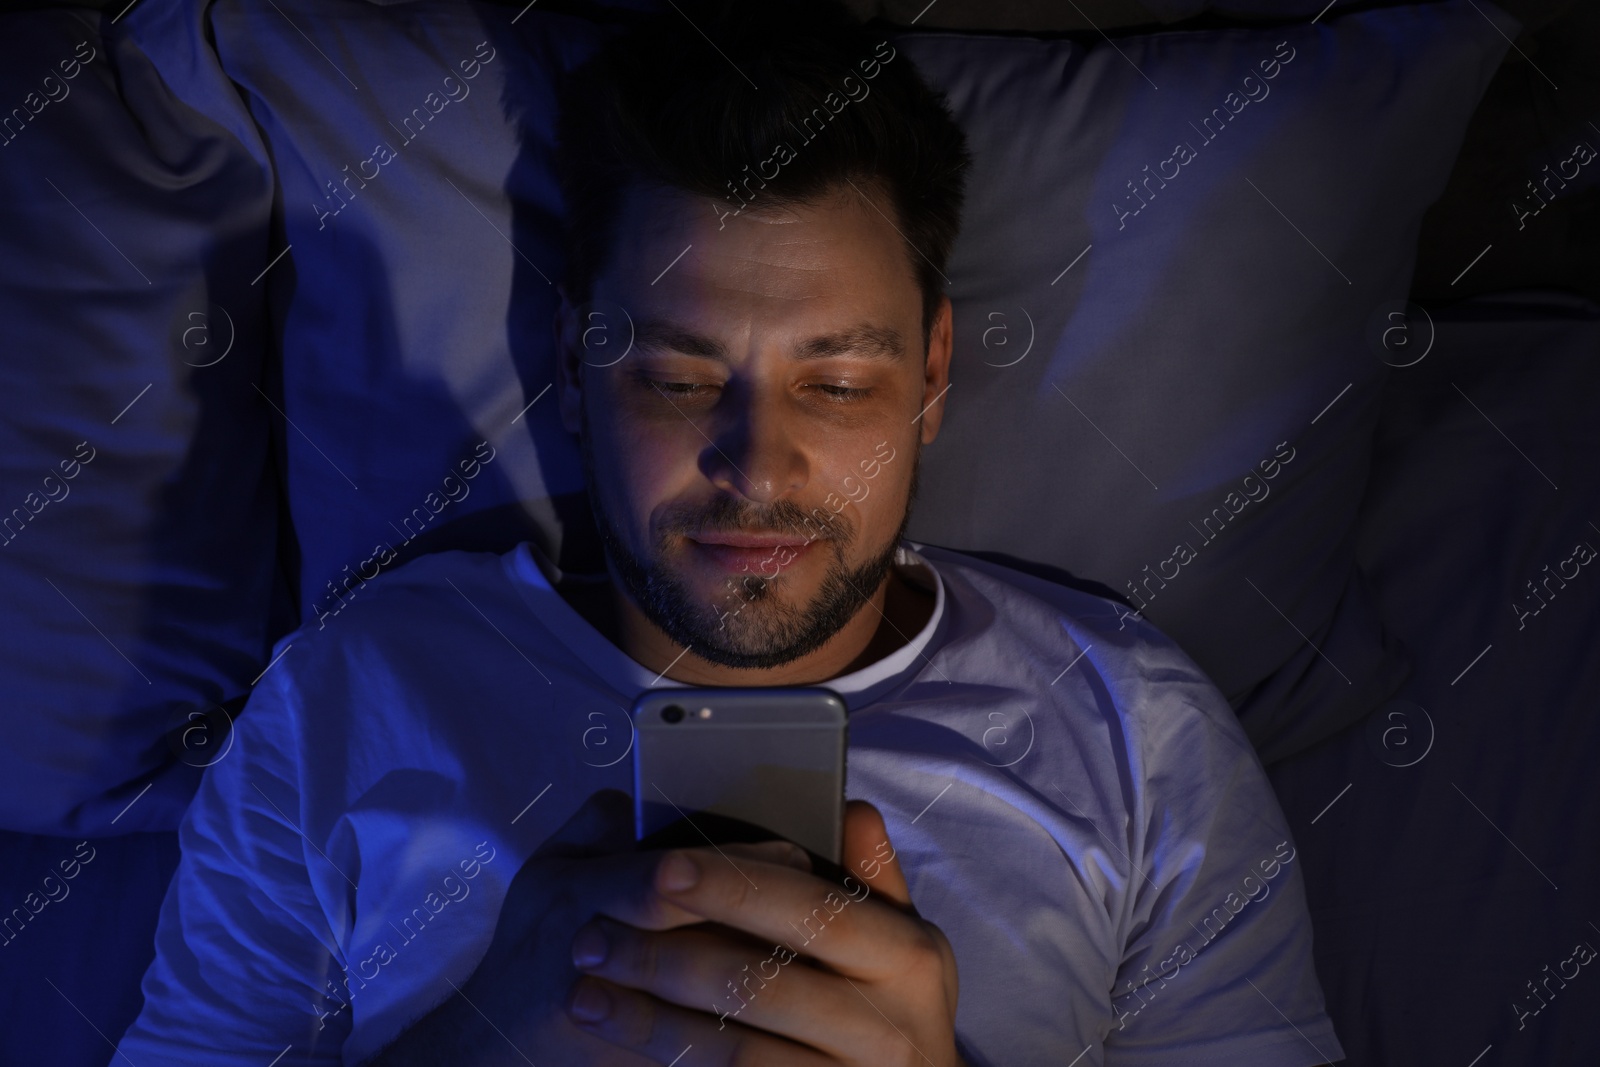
x,y
721,765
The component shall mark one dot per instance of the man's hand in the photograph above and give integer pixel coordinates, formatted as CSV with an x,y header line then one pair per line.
x,y
759,962
512,1011
873,985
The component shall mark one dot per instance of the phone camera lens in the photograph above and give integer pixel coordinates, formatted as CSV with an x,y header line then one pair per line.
x,y
672,713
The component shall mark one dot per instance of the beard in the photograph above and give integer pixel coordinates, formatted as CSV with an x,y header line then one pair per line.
x,y
748,625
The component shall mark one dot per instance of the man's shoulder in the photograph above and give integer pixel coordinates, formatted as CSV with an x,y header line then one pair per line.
x,y
1058,626
366,676
426,580
1021,594
406,605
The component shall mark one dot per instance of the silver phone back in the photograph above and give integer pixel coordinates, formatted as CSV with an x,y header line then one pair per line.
x,y
770,757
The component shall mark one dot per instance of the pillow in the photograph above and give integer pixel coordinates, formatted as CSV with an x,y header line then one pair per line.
x,y
412,144
138,526
1170,263
1052,16
1165,389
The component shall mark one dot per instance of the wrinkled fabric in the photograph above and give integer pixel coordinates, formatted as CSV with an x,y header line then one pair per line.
x,y
1072,801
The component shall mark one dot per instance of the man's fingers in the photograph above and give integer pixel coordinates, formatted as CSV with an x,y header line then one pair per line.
x,y
623,886
766,986
663,1032
869,855
606,875
836,924
786,852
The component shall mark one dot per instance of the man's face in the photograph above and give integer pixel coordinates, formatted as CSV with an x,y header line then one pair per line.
x,y
771,396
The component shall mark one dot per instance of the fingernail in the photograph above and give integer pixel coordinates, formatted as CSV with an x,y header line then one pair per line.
x,y
589,1003
589,948
677,872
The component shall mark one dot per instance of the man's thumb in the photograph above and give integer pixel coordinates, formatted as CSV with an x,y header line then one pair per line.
x,y
869,856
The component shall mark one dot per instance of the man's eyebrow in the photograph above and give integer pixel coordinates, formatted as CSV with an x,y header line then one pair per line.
x,y
660,333
863,340
869,342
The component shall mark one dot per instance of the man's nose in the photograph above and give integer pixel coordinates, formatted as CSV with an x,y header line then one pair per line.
x,y
754,450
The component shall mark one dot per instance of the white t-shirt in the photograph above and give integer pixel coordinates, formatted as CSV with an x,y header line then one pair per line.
x,y
1073,803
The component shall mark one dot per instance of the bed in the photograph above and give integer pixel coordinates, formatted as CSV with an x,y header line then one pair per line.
x,y
1375,274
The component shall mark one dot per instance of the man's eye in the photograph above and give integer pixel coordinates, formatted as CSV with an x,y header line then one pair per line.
x,y
694,390
684,389
843,392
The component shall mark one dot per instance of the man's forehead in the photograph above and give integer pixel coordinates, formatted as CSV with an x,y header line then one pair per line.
x,y
861,340
671,244
842,214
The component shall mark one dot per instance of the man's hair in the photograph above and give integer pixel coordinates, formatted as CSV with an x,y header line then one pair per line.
x,y
700,97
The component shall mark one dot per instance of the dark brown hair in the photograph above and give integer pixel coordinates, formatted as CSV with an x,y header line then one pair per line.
x,y
701,97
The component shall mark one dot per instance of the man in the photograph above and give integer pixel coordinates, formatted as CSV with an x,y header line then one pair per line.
x,y
1063,848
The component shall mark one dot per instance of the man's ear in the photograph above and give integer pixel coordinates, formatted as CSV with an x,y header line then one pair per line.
x,y
569,353
936,370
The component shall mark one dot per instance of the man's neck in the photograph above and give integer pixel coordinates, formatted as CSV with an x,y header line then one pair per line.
x,y
896,612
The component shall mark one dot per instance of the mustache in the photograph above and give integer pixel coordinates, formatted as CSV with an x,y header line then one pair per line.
x,y
725,514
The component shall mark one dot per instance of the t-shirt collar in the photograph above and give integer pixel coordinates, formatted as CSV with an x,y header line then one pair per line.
x,y
535,576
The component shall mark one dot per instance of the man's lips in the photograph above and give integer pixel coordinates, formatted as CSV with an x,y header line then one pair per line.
x,y
746,540
759,554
